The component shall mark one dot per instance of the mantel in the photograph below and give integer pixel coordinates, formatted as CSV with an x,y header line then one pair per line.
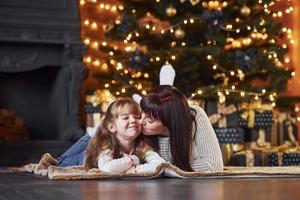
x,y
37,35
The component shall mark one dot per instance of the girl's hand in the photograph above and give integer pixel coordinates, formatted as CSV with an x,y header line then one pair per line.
x,y
132,170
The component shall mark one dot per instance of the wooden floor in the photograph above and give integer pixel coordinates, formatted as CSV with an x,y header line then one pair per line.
x,y
29,186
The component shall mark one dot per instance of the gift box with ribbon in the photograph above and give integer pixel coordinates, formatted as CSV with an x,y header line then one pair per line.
x,y
277,158
290,131
231,140
90,108
258,138
231,135
222,115
284,129
93,115
228,151
255,115
247,158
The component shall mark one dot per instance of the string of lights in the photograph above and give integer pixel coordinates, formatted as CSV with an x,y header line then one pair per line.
x,y
256,35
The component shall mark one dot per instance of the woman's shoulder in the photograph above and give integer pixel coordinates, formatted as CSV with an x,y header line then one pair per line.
x,y
201,120
197,111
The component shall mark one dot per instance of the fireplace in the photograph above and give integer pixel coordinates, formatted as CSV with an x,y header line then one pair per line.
x,y
38,97
41,73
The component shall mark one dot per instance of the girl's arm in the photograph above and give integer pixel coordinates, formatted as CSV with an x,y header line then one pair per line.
x,y
206,150
108,164
153,160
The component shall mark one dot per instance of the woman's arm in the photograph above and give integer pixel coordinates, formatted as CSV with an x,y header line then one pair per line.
x,y
153,160
108,164
206,152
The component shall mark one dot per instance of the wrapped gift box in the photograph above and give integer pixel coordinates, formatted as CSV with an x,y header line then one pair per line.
x,y
284,129
258,138
89,108
261,120
246,158
222,115
93,115
255,114
231,140
290,132
228,150
283,159
230,135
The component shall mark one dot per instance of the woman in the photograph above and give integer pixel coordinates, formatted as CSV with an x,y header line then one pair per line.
x,y
185,135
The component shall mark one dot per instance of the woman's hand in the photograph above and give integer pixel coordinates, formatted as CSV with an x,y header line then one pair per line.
x,y
135,160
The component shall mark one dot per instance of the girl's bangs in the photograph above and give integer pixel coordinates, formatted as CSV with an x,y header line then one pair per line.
x,y
129,108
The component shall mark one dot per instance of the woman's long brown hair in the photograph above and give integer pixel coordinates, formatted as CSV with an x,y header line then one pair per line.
x,y
104,139
170,106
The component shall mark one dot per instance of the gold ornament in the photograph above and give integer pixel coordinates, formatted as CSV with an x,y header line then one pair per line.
x,y
179,33
107,27
171,11
245,11
213,5
193,2
241,76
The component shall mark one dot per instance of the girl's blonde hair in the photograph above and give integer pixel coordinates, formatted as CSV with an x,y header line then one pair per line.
x,y
104,139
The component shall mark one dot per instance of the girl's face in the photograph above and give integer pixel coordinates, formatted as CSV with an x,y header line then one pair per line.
x,y
153,126
127,126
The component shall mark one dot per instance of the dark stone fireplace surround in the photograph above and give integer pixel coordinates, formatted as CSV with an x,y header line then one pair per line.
x,y
41,73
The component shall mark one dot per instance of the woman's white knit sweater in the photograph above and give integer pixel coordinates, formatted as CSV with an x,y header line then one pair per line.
x,y
206,152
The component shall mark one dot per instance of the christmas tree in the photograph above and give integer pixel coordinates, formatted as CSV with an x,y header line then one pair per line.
x,y
219,49
232,52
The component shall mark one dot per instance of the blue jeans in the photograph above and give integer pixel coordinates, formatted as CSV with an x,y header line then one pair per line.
x,y
75,154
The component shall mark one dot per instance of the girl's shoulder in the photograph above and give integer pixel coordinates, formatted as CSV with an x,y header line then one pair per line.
x,y
105,152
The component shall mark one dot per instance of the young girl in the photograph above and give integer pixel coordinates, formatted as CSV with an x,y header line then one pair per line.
x,y
118,146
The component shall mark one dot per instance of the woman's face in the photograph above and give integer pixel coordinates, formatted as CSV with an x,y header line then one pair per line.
x,y
153,126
